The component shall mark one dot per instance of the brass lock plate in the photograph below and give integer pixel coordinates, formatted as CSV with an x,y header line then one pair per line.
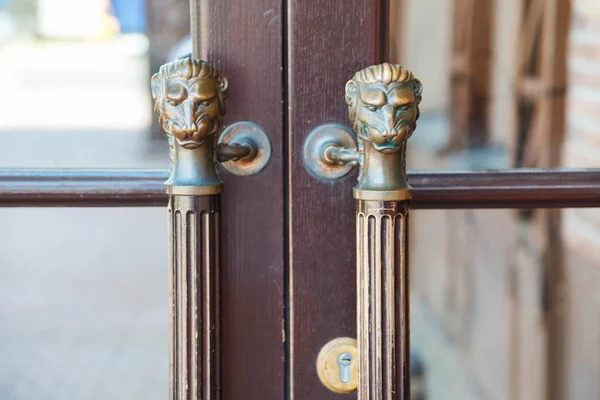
x,y
337,365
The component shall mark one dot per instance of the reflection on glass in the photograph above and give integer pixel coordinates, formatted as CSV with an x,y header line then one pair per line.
x,y
79,73
508,84
76,90
504,299
83,300
84,304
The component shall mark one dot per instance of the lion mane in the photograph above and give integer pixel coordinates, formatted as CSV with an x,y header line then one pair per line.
x,y
188,68
383,73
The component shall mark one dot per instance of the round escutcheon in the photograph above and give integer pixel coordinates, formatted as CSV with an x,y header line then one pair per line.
x,y
247,133
314,147
337,365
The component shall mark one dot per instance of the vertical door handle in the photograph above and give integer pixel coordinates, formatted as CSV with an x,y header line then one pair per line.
x,y
383,103
189,99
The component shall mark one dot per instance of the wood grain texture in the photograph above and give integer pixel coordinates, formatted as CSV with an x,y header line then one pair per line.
x,y
243,38
328,42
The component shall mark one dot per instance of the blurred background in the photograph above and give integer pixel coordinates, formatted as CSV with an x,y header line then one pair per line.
x,y
83,293
506,302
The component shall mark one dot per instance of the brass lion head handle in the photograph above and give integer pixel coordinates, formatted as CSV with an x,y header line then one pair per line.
x,y
383,103
189,97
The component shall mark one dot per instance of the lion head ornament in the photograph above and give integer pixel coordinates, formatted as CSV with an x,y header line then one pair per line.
x,y
383,103
189,98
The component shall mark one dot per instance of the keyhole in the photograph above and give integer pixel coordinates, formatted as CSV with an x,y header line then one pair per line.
x,y
345,362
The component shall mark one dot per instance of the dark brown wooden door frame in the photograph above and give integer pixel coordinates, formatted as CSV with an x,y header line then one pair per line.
x,y
244,39
500,189
327,43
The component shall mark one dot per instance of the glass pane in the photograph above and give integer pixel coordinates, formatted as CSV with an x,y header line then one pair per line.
x,y
84,304
76,90
83,294
507,84
505,302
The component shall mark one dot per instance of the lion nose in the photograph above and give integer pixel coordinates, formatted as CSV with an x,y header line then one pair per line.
x,y
190,129
389,135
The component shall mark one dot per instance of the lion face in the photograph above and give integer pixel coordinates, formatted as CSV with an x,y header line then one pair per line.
x,y
190,109
384,114
189,98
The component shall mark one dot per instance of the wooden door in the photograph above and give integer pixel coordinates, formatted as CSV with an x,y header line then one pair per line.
x,y
288,265
326,46
245,40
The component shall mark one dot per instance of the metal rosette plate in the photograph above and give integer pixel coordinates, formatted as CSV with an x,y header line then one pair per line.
x,y
247,134
320,138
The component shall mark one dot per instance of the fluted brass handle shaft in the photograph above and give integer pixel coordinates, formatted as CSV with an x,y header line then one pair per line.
x,y
190,101
383,300
383,101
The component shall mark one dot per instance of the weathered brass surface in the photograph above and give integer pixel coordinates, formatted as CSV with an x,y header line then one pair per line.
x,y
244,149
337,365
383,103
383,299
189,99
330,151
194,297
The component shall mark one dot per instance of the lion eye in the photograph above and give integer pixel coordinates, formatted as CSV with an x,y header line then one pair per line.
x,y
373,108
404,108
173,102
